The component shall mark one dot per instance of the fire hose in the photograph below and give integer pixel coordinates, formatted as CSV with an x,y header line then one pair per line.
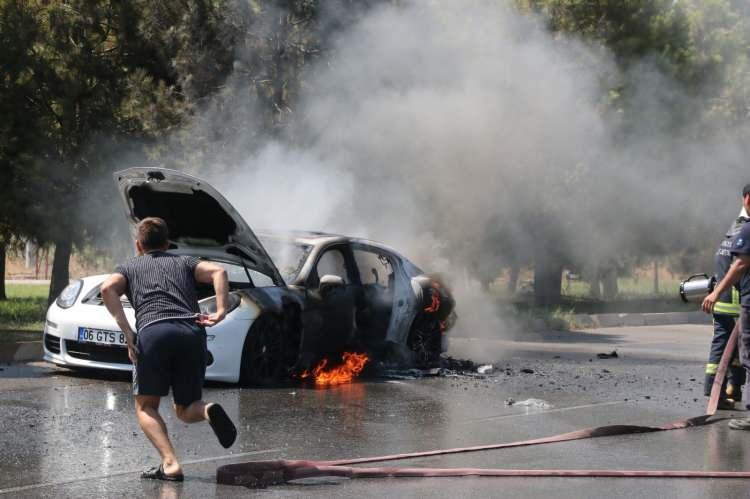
x,y
260,474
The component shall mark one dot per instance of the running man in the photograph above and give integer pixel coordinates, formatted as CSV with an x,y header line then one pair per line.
x,y
169,350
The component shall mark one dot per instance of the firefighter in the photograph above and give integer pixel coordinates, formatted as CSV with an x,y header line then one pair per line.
x,y
738,273
725,313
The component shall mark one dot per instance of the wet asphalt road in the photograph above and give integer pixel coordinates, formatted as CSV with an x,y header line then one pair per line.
x,y
67,434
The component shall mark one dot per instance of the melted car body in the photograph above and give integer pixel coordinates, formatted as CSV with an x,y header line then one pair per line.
x,y
296,297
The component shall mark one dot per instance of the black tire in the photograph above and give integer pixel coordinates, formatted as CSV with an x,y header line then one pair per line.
x,y
265,354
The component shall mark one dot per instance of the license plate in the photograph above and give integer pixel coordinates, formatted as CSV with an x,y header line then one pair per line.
x,y
91,335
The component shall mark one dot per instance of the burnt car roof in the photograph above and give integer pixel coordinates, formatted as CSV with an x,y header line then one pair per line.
x,y
315,238
302,236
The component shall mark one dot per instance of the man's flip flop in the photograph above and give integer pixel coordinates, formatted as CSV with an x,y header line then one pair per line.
x,y
157,473
222,425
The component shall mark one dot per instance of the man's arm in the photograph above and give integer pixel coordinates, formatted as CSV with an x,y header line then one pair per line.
x,y
112,289
739,267
211,273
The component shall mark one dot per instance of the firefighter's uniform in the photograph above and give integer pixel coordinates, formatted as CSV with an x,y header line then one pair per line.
x,y
726,312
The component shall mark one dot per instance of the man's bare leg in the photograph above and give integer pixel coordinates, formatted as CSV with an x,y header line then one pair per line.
x,y
147,411
198,411
193,413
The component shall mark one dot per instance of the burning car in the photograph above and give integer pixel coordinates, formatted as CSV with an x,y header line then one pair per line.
x,y
302,304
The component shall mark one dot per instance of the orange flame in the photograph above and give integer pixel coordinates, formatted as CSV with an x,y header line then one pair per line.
x,y
434,305
345,373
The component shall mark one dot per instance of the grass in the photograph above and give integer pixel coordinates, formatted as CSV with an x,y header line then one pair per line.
x,y
541,318
572,313
628,288
635,295
25,308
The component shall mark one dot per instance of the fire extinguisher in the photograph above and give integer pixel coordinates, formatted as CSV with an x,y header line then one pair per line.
x,y
696,287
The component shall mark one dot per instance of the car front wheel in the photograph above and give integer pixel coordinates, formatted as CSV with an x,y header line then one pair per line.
x,y
264,354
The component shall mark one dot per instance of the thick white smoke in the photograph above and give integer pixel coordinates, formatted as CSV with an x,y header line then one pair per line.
x,y
454,131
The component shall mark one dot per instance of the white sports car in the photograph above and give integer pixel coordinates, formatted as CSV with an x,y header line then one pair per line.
x,y
328,294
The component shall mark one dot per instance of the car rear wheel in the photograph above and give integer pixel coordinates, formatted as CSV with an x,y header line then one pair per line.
x,y
264,357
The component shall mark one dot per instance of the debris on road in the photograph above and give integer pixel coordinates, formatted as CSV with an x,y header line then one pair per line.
x,y
611,355
404,374
449,368
533,403
458,365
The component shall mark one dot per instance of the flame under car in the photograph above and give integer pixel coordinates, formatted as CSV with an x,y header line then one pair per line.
x,y
298,300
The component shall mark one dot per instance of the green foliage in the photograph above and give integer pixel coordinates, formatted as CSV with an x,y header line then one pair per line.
x,y
631,29
702,44
18,126
86,83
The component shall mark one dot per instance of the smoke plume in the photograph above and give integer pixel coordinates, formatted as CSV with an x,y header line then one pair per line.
x,y
466,136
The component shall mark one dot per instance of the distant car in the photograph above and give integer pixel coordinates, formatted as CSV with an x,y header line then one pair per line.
x,y
295,298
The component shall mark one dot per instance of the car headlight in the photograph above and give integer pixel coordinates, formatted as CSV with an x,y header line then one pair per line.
x,y
69,295
208,306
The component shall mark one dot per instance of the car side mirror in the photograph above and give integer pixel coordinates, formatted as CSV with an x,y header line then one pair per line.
x,y
329,282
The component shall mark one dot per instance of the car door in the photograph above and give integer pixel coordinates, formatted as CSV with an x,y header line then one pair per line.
x,y
329,310
375,304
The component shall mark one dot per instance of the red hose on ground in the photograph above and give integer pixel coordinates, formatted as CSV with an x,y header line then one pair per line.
x,y
258,474
721,372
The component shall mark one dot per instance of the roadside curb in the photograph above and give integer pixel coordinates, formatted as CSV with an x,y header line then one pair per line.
x,y
654,319
22,351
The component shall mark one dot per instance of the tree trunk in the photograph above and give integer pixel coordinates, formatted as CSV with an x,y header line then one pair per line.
x,y
609,280
547,279
513,278
595,289
60,268
3,296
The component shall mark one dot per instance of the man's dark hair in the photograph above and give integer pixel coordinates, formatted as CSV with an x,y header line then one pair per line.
x,y
152,233
746,190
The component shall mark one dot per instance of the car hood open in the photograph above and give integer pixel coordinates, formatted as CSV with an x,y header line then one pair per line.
x,y
198,216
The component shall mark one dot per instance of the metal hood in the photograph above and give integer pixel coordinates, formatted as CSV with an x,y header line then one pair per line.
x,y
198,216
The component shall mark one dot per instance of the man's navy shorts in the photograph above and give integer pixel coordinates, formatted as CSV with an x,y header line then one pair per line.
x,y
172,353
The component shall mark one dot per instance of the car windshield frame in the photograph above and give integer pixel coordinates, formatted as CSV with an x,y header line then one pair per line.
x,y
288,263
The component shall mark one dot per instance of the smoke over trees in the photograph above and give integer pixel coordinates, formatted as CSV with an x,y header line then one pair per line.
x,y
552,133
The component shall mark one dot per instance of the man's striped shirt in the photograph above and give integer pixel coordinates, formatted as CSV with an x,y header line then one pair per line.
x,y
161,286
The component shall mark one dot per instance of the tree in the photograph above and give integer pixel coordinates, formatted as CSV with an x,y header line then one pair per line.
x,y
80,82
82,76
18,125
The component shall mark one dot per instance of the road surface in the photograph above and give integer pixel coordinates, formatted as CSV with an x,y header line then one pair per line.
x,y
68,434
